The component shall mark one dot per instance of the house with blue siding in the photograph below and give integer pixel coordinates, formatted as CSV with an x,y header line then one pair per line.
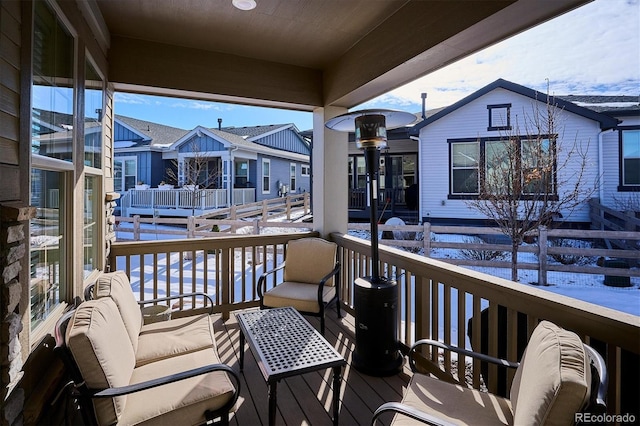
x,y
231,165
454,149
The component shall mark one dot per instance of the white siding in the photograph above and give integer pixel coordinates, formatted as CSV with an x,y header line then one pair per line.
x,y
471,121
611,164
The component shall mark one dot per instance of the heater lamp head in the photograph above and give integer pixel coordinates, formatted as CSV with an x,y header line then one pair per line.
x,y
370,125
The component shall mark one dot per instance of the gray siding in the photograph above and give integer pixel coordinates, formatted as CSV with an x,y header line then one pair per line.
x,y
201,144
286,140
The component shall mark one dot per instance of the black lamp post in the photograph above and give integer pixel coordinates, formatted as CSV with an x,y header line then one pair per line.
x,y
375,296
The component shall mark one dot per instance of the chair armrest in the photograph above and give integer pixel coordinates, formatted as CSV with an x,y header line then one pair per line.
x,y
124,390
261,285
397,407
326,278
178,296
477,355
599,404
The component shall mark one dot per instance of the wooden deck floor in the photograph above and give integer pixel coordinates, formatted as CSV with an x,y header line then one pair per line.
x,y
307,399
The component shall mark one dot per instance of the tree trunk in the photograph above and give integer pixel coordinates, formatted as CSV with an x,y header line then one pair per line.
x,y
514,260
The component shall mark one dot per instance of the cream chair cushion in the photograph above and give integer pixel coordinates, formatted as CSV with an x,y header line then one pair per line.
x,y
101,348
303,297
308,260
116,285
553,380
454,403
178,403
178,336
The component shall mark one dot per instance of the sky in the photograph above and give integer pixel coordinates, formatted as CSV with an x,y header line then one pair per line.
x,y
592,50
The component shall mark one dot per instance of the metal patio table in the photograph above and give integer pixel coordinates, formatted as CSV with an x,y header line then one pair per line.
x,y
286,345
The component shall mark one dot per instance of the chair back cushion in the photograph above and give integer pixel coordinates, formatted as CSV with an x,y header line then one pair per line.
x,y
553,380
98,342
308,260
116,285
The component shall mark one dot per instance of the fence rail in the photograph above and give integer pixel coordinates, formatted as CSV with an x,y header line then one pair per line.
x,y
412,237
210,225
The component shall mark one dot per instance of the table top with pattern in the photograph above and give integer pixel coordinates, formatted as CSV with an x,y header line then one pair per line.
x,y
285,343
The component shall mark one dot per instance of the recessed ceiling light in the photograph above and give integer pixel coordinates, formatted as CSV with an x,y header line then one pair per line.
x,y
244,4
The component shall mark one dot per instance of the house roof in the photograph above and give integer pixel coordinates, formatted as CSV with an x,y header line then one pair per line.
x,y
610,105
151,134
251,132
606,121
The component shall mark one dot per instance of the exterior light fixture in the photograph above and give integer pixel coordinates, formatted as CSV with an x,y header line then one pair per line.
x,y
244,4
375,297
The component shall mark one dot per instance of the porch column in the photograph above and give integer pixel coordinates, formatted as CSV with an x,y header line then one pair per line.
x,y
329,174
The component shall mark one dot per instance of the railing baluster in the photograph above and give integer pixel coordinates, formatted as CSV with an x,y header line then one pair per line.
x,y
447,324
462,338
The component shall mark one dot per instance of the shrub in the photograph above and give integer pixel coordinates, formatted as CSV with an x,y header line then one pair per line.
x,y
479,254
571,259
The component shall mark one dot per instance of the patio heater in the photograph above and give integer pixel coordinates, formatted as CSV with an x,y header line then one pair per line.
x,y
375,296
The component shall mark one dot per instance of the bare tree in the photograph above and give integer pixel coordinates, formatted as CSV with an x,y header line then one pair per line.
x,y
531,175
195,174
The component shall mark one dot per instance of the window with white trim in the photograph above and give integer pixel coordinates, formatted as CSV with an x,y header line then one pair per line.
x,y
305,170
125,173
292,177
266,176
465,161
52,142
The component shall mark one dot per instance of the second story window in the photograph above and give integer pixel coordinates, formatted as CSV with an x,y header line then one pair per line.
x,y
499,117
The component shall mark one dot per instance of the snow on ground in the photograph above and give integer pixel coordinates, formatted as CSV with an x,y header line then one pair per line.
x,y
585,287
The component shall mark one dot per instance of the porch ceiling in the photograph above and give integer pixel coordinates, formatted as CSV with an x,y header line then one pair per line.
x,y
301,53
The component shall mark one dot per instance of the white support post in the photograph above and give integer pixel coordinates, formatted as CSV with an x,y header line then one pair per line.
x,y
329,174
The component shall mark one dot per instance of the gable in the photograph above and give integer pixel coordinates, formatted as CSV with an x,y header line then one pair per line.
x,y
605,121
285,140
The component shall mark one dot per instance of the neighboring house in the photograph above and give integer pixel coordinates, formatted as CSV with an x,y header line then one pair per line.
x,y
452,147
233,165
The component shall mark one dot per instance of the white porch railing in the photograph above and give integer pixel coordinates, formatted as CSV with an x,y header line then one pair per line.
x,y
154,199
244,196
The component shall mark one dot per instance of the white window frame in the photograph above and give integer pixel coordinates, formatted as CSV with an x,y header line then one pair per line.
x,y
305,170
453,168
293,170
266,190
123,160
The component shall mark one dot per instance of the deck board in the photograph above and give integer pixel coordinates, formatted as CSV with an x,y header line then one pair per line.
x,y
307,399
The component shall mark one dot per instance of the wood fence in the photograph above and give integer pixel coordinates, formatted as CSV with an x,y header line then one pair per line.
x,y
482,240
223,221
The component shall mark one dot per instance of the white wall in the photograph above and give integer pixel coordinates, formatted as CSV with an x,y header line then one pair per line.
x,y
471,121
610,196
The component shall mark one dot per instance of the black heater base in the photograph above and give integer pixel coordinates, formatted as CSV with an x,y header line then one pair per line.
x,y
376,306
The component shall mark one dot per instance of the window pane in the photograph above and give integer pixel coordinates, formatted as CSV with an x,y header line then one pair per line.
x,y
499,164
52,104
631,157
537,167
91,216
117,175
93,118
47,243
465,181
466,154
130,167
632,171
